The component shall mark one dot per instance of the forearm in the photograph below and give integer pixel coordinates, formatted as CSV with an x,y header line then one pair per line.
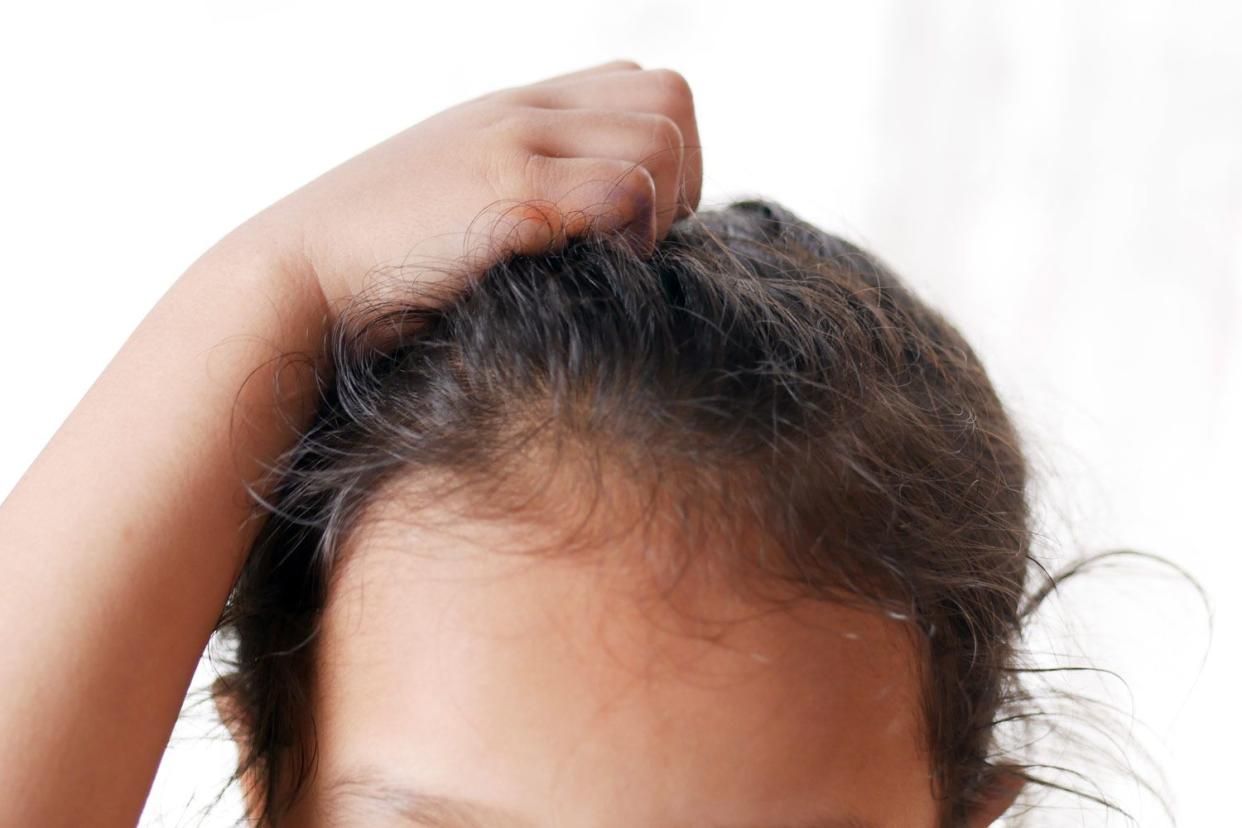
x,y
122,540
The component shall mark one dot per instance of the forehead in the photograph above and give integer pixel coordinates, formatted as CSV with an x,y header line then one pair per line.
x,y
573,691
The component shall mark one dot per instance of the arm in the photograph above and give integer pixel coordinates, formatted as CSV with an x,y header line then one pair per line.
x,y
121,541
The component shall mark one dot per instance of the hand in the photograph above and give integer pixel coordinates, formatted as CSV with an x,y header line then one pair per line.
x,y
610,149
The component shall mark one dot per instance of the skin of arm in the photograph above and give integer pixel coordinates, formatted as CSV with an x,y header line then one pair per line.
x,y
122,540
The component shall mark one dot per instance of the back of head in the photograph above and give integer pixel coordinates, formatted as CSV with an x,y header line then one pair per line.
x,y
756,378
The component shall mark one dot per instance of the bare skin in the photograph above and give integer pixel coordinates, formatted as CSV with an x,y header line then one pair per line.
x,y
577,692
122,540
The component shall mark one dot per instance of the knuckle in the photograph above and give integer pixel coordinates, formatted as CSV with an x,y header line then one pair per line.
x,y
638,186
668,129
519,126
665,133
606,171
536,172
674,90
499,120
515,120
512,172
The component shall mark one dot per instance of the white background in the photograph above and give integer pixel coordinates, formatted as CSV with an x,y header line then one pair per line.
x,y
1064,179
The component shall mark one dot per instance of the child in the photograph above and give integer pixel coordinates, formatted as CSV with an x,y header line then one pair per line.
x,y
582,509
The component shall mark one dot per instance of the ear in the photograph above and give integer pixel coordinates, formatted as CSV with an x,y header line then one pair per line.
x,y
999,793
233,717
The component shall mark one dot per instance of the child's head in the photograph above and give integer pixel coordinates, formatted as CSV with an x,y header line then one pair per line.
x,y
736,535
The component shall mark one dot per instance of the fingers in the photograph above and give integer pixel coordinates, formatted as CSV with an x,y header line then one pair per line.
x,y
656,91
577,196
644,139
611,146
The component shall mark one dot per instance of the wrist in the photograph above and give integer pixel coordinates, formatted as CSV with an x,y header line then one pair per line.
x,y
257,286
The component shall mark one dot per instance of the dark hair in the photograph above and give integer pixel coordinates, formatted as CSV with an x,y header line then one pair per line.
x,y
767,375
